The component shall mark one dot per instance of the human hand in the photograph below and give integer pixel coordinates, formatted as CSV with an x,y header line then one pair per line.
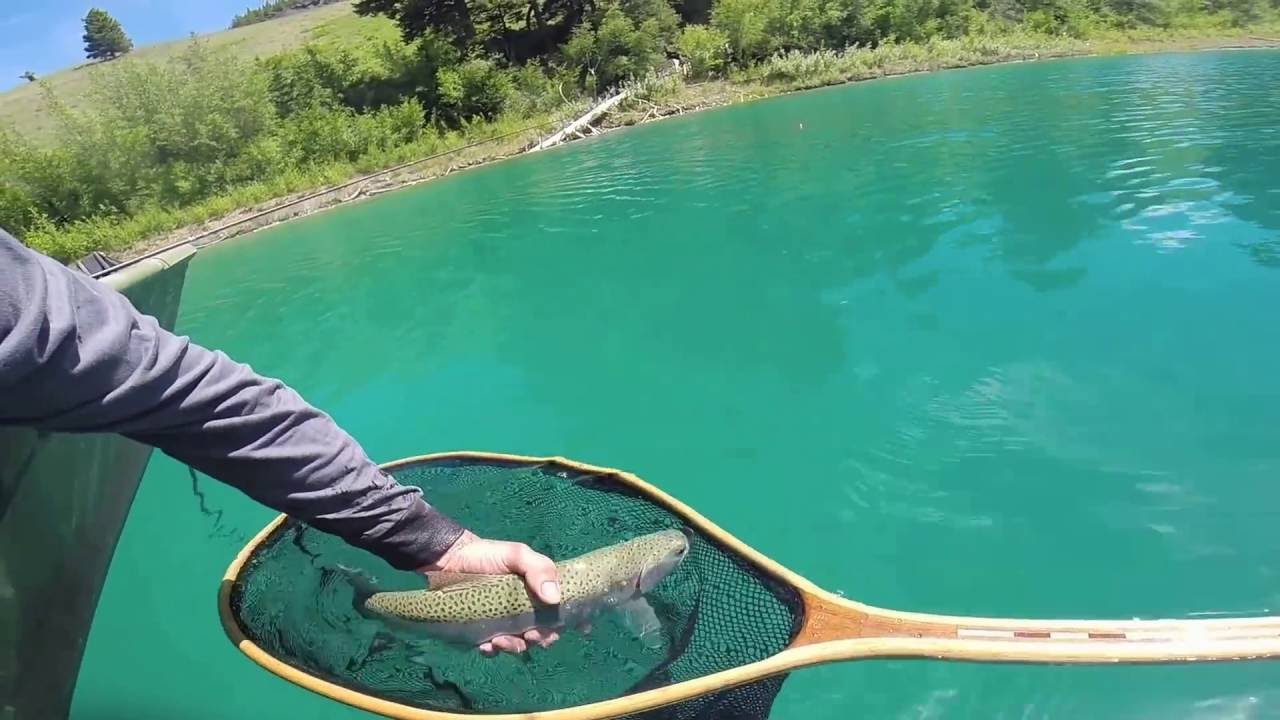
x,y
471,554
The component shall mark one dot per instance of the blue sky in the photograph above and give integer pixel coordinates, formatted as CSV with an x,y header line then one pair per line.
x,y
44,36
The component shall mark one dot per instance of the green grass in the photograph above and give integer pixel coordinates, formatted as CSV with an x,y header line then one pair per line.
x,y
25,109
1186,37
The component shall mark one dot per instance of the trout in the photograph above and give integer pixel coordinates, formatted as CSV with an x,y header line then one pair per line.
x,y
475,608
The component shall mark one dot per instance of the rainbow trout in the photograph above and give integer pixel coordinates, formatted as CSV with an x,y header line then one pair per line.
x,y
475,608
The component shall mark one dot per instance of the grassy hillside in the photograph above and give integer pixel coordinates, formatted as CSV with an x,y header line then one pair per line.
x,y
24,107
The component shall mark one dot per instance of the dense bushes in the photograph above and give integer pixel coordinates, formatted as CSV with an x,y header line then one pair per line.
x,y
158,134
171,134
705,49
757,29
621,39
475,88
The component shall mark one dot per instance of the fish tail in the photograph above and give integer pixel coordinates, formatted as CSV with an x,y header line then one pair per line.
x,y
362,585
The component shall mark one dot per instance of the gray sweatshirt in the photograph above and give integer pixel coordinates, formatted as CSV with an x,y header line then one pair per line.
x,y
76,356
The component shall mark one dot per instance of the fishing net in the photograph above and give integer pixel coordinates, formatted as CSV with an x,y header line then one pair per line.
x,y
295,599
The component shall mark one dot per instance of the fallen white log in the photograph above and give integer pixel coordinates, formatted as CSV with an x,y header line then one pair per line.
x,y
585,121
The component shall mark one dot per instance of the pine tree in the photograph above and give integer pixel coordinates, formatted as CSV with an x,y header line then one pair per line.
x,y
103,37
29,76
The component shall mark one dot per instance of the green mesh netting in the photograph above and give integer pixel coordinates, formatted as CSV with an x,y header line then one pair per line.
x,y
295,599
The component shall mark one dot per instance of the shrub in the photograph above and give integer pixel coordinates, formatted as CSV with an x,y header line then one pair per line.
x,y
744,23
624,39
475,88
704,49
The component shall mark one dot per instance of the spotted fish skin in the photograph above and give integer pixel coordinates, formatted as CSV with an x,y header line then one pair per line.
x,y
477,608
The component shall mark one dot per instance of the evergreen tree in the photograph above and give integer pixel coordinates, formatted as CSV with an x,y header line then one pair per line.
x,y
103,37
29,76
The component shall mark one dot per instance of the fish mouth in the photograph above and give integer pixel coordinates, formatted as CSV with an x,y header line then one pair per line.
x,y
688,540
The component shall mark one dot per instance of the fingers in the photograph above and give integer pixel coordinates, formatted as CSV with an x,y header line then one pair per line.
x,y
518,645
509,643
539,573
541,638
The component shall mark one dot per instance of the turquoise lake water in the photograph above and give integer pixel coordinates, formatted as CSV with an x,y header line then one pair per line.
x,y
998,341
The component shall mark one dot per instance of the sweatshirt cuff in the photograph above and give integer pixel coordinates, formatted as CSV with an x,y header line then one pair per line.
x,y
420,539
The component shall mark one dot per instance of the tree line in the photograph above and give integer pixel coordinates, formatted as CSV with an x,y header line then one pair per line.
x,y
623,35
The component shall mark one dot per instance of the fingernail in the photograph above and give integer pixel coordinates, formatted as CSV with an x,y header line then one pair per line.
x,y
551,592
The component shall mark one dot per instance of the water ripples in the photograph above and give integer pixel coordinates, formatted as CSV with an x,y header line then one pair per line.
x,y
999,341
1152,155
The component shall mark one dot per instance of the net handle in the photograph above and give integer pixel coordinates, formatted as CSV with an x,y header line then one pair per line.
x,y
846,630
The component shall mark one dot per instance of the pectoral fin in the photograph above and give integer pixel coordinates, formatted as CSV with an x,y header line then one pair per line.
x,y
640,619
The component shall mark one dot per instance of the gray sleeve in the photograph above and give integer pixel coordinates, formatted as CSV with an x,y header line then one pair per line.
x,y
76,356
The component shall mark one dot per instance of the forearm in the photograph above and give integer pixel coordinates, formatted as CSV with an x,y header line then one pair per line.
x,y
75,356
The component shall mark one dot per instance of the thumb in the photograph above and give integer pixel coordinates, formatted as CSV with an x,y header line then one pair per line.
x,y
539,573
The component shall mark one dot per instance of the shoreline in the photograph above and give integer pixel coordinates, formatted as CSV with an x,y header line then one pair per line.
x,y
693,98
1158,48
